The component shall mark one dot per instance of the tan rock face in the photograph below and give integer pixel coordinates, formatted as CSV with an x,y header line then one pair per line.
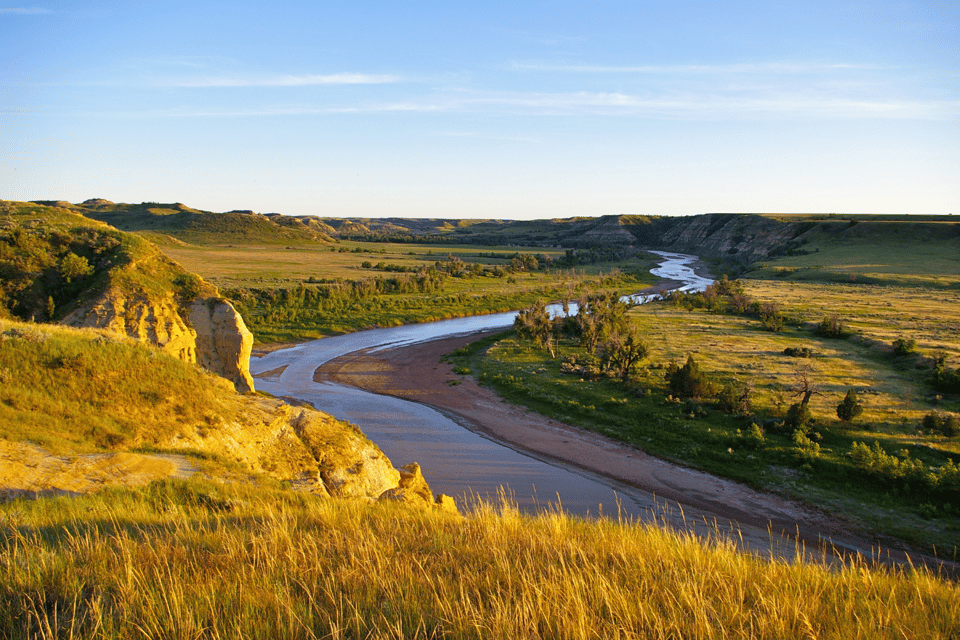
x,y
157,322
215,337
414,490
223,342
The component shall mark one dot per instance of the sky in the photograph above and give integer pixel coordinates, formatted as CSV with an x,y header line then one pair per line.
x,y
519,110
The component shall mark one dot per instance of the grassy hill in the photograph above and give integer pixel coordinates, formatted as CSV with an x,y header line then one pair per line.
x,y
53,259
231,552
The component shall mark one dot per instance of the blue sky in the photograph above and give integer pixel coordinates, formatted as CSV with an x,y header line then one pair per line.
x,y
484,110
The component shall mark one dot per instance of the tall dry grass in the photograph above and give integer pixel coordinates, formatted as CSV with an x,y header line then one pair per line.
x,y
199,561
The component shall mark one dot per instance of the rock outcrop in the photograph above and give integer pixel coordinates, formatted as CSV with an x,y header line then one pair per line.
x,y
212,334
748,237
223,342
414,490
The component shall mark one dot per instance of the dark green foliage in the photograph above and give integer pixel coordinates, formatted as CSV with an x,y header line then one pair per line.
x,y
798,416
734,398
944,424
945,379
48,257
907,474
622,352
831,327
535,324
688,381
771,316
850,407
798,352
904,347
599,317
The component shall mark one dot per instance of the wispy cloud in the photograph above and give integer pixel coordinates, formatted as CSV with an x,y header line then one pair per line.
x,y
582,103
288,80
744,68
23,11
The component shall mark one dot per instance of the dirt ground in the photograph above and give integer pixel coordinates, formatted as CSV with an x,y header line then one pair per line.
x,y
31,471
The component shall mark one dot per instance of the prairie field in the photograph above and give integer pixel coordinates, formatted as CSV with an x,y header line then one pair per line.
x,y
196,559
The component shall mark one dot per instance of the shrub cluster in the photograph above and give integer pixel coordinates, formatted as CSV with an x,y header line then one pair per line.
x,y
906,473
943,424
831,327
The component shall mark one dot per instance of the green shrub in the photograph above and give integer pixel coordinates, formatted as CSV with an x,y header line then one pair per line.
x,y
805,448
798,416
734,398
904,347
944,424
688,381
798,352
831,327
850,407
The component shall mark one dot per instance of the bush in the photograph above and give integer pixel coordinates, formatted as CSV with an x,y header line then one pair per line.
x,y
754,438
850,407
947,425
903,347
734,398
805,448
688,381
945,379
831,327
798,352
798,416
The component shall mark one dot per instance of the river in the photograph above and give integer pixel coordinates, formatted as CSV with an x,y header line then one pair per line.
x,y
459,462
455,460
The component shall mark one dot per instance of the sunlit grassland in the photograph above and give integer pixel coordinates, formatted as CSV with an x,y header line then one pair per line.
x,y
271,265
196,559
873,251
73,390
258,279
732,348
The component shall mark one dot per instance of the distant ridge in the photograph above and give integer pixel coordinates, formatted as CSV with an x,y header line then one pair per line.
x,y
732,238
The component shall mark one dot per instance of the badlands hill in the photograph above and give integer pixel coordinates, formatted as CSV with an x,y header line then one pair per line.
x,y
101,336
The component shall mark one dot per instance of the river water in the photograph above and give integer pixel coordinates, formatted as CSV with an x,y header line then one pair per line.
x,y
458,462
455,460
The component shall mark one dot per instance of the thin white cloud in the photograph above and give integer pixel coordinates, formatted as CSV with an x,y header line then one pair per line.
x,y
23,11
678,107
289,80
786,68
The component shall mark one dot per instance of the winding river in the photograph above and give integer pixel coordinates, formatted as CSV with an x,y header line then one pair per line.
x,y
455,460
459,462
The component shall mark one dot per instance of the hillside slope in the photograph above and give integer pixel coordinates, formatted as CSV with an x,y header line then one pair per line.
x,y
84,408
58,266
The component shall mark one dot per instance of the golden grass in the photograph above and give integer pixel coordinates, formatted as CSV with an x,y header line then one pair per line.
x,y
273,266
173,562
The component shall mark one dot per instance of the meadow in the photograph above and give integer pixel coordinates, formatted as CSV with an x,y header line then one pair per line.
x,y
307,291
197,559
885,471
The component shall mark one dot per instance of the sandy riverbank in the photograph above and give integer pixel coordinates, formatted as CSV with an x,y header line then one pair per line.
x,y
416,373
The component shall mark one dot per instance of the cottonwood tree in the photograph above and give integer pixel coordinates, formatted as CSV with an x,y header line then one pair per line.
x,y
622,352
600,316
535,323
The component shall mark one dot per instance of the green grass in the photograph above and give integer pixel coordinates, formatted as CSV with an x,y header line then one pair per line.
x,y
259,280
81,390
199,559
896,392
887,252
